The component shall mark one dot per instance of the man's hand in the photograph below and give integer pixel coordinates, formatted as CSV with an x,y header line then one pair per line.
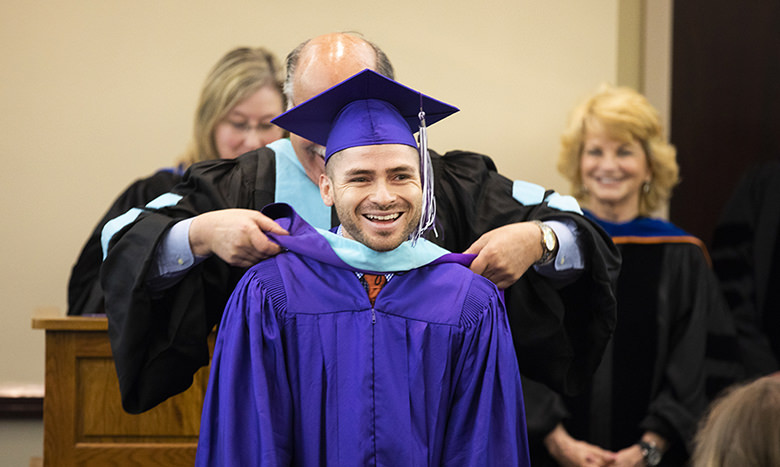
x,y
630,457
504,254
569,452
235,235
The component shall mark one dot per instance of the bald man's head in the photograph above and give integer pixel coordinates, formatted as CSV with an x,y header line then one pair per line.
x,y
319,64
329,59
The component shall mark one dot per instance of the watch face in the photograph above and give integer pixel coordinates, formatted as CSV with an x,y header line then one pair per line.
x,y
549,243
653,457
650,453
549,239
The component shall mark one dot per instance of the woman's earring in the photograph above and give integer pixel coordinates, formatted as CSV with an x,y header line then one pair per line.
x,y
646,187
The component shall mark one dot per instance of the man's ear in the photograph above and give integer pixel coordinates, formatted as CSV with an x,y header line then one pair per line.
x,y
326,190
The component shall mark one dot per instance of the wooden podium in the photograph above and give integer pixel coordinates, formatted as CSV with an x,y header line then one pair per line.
x,y
83,420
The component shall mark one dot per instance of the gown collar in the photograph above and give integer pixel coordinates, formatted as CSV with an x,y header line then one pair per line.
x,y
327,247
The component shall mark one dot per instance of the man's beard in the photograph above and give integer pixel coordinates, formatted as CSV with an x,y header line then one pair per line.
x,y
411,218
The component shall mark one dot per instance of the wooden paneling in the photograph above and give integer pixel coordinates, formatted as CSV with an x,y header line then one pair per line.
x,y
104,420
725,102
84,423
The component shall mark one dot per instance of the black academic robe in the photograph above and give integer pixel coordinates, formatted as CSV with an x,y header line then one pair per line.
x,y
746,258
159,340
85,296
673,350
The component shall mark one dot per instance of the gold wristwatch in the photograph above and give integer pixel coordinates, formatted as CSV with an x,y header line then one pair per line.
x,y
549,243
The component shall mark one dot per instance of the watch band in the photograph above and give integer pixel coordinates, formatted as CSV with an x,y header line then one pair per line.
x,y
650,453
549,243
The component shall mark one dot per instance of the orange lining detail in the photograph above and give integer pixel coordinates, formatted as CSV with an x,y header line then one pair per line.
x,y
657,240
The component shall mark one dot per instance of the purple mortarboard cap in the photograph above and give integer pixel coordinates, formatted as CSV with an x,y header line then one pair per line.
x,y
363,110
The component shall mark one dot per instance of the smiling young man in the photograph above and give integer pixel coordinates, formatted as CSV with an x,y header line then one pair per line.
x,y
377,193
368,345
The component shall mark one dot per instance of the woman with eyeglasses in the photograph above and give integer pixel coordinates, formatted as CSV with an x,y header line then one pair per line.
x,y
240,96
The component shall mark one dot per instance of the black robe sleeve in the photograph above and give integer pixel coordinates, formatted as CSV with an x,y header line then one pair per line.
x,y
159,340
559,333
745,253
84,293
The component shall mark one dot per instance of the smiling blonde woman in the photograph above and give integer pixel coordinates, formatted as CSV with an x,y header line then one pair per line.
x,y
673,325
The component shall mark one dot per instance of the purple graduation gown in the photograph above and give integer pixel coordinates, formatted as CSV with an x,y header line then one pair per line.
x,y
307,372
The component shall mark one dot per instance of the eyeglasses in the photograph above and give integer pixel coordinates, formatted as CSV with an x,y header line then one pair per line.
x,y
245,127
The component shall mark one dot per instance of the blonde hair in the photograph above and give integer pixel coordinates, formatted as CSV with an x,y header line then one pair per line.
x,y
235,77
742,428
624,115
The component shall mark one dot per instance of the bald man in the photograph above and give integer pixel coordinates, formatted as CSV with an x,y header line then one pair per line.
x,y
171,266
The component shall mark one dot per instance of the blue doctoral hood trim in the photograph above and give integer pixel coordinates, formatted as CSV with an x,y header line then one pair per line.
x,y
330,248
527,193
563,203
639,227
120,222
531,194
115,225
295,188
163,201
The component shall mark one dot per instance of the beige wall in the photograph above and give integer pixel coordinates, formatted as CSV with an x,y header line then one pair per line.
x,y
96,93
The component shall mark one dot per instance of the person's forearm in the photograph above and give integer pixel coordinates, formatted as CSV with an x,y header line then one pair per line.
x,y
555,440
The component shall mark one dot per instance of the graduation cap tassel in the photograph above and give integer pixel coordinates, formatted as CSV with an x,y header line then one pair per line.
x,y
426,172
